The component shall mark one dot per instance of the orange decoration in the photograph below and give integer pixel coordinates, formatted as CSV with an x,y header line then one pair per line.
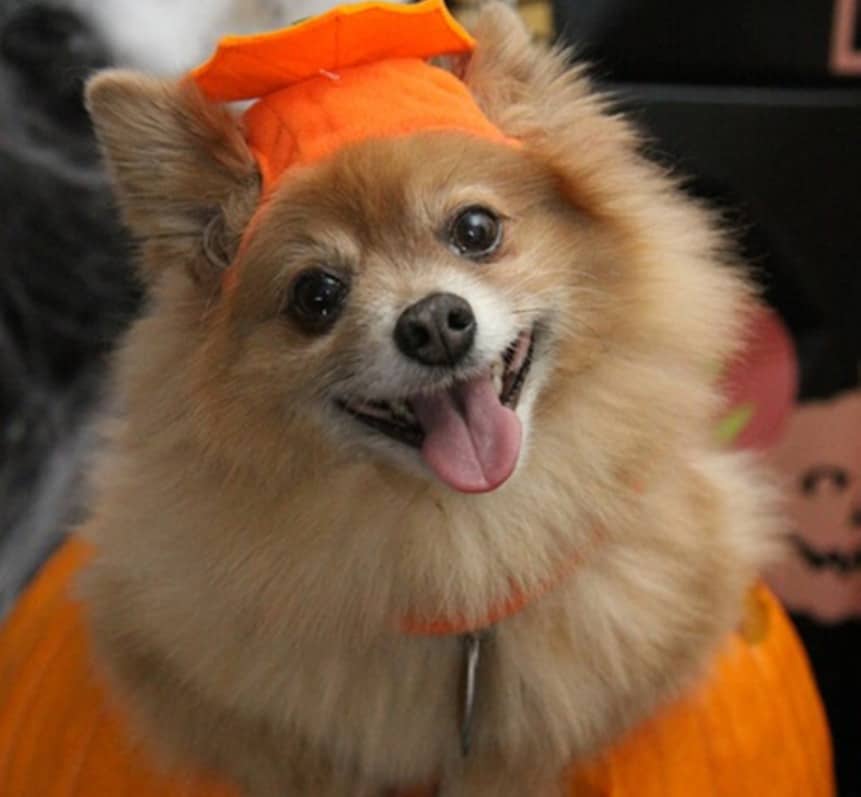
x,y
353,74
247,67
59,737
756,727
515,602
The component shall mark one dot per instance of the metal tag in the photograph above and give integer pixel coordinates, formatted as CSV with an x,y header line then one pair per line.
x,y
469,684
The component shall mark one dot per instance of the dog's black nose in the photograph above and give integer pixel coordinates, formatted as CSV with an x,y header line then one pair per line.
x,y
438,330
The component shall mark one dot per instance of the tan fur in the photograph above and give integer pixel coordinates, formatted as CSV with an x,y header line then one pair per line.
x,y
254,555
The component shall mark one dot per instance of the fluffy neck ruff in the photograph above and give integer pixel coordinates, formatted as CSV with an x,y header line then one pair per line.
x,y
518,599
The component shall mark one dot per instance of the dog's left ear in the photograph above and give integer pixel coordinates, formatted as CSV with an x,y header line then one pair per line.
x,y
538,95
183,173
505,66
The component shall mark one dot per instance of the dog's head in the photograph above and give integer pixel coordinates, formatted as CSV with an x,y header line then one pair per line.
x,y
427,301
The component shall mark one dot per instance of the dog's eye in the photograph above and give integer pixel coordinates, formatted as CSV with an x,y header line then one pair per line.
x,y
475,232
316,299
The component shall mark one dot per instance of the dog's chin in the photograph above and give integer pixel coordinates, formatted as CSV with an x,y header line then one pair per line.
x,y
466,432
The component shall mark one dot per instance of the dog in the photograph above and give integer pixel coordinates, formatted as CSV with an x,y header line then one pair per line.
x,y
436,473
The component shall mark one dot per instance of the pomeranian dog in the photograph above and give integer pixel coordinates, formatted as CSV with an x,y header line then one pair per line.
x,y
438,472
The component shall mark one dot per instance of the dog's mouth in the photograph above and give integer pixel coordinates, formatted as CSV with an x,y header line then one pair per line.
x,y
842,563
468,433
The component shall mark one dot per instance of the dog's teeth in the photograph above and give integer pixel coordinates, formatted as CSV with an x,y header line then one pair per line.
x,y
392,411
376,409
496,375
402,411
520,351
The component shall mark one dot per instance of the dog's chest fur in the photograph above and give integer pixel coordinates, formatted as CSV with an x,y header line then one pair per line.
x,y
316,652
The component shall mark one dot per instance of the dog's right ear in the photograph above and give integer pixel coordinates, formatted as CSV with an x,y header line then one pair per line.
x,y
185,178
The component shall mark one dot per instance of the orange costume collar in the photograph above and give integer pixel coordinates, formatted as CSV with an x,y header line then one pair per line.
x,y
518,599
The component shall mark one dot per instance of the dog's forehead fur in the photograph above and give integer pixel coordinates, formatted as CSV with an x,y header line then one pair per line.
x,y
394,197
378,215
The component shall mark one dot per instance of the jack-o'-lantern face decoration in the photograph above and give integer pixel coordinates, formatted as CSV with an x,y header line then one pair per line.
x,y
820,457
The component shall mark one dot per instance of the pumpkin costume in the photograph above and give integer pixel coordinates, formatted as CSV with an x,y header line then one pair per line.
x,y
754,727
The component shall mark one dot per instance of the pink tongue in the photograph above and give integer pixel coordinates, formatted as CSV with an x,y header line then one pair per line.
x,y
471,441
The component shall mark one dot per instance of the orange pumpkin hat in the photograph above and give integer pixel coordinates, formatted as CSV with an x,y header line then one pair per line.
x,y
356,73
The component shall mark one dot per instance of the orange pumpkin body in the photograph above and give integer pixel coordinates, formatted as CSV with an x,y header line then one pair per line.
x,y
755,727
